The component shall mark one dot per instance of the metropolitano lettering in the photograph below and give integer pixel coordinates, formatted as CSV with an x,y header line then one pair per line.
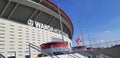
x,y
44,26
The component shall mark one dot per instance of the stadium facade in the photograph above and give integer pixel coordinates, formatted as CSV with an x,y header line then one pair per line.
x,y
30,21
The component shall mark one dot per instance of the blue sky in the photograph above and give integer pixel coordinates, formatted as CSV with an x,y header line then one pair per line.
x,y
98,18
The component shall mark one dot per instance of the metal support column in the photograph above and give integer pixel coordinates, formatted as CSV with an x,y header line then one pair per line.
x,y
49,20
38,15
13,10
33,13
5,8
61,26
29,51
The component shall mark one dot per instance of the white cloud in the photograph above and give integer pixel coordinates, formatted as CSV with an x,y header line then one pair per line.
x,y
101,41
87,42
94,44
107,31
98,41
108,35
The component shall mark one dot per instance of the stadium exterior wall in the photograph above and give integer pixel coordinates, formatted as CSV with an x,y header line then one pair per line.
x,y
20,24
15,38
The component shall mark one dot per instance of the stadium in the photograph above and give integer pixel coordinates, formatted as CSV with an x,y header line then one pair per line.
x,y
24,22
40,29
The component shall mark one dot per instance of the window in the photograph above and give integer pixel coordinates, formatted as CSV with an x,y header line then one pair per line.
x,y
27,48
2,23
2,34
2,41
20,35
11,41
20,29
2,30
11,44
33,34
20,42
27,31
12,28
11,48
11,34
19,48
27,28
11,38
27,36
20,38
20,54
2,27
33,42
33,38
20,45
12,25
12,31
1,48
2,37
27,39
20,32
2,44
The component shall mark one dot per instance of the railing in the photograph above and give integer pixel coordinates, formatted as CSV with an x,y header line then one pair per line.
x,y
89,55
38,49
63,52
52,55
103,56
105,44
2,56
72,54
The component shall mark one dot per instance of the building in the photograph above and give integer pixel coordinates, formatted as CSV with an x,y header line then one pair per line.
x,y
30,21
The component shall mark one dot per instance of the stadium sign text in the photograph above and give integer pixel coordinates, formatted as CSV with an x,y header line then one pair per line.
x,y
45,27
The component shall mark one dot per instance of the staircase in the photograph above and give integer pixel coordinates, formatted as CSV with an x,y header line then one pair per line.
x,y
69,55
64,55
38,49
2,56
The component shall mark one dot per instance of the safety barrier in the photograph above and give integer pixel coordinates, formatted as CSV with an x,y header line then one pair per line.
x,y
105,44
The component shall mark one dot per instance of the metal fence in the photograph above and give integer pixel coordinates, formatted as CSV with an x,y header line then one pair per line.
x,y
105,44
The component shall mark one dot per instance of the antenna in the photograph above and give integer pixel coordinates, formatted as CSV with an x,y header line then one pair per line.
x,y
61,26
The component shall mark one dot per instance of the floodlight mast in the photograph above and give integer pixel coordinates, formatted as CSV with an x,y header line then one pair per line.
x,y
61,26
81,33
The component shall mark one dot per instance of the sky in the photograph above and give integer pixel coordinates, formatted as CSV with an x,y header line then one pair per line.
x,y
97,20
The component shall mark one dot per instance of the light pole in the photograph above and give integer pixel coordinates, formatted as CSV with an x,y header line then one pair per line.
x,y
61,26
